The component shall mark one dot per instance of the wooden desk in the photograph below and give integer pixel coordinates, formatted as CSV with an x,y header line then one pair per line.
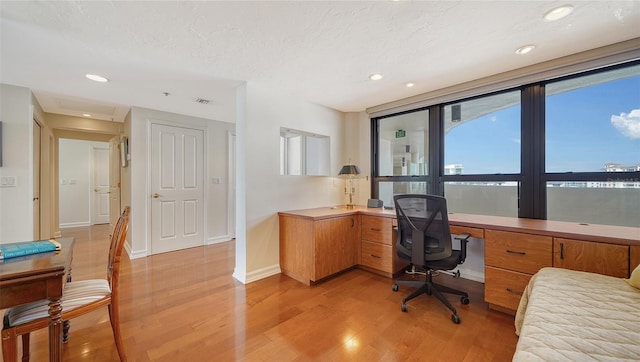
x,y
514,248
35,277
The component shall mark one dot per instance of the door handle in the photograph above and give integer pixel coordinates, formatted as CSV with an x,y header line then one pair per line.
x,y
156,195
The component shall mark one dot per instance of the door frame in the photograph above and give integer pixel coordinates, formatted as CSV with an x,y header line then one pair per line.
x,y
205,174
231,185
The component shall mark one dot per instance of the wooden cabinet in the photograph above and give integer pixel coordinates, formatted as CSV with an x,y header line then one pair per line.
x,y
314,249
512,258
335,245
607,259
510,261
378,252
634,258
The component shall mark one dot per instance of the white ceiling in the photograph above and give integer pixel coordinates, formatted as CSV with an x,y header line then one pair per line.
x,y
321,51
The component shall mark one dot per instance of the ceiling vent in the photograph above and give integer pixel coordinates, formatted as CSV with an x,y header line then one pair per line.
x,y
202,101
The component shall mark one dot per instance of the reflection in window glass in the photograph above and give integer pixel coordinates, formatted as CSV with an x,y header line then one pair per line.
x,y
610,203
593,122
484,198
482,136
403,144
387,190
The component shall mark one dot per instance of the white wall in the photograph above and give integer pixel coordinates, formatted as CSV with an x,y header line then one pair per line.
x,y
75,174
136,192
266,191
16,207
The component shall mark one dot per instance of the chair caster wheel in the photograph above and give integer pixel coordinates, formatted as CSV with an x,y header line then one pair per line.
x,y
403,307
464,300
455,318
394,287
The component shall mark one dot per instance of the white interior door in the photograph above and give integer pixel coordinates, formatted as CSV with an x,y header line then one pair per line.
x,y
100,186
37,131
177,189
114,180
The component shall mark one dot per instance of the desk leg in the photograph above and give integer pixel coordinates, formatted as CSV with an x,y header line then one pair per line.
x,y
55,330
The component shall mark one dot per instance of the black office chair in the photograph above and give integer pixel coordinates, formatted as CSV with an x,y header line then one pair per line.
x,y
424,239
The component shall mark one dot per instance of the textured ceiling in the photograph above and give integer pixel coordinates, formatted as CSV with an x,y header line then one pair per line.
x,y
321,51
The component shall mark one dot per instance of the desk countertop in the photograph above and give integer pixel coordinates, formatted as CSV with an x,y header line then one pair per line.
x,y
621,235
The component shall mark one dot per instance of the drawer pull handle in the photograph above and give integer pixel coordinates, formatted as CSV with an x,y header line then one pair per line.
x,y
372,229
516,252
561,250
375,256
514,291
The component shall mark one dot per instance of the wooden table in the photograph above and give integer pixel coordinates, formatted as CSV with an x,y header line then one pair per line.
x,y
35,277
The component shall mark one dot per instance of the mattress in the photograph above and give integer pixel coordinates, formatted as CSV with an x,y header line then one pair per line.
x,y
566,315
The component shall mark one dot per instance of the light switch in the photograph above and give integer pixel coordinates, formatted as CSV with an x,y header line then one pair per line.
x,y
8,181
216,180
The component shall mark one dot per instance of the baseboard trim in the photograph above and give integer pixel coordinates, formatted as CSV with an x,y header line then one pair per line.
x,y
134,255
74,225
217,240
257,274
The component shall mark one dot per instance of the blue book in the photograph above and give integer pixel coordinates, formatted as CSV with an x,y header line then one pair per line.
x,y
14,250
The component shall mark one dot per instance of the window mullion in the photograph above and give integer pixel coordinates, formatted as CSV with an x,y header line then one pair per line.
x,y
533,196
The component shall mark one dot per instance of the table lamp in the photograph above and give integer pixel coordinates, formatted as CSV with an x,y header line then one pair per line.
x,y
350,172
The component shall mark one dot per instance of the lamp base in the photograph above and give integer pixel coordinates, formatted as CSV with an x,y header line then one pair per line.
x,y
351,206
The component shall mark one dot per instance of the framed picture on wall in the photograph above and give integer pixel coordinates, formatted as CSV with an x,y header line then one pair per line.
x,y
124,152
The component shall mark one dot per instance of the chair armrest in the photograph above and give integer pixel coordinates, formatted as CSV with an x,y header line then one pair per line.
x,y
463,236
464,239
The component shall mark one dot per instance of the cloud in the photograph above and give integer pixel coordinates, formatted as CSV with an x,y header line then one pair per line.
x,y
628,123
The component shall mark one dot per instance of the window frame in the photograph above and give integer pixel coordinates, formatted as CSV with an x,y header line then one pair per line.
x,y
532,179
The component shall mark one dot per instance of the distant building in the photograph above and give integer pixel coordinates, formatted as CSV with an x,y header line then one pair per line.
x,y
616,167
455,169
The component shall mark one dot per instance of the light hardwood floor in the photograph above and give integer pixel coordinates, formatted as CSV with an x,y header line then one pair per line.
x,y
186,306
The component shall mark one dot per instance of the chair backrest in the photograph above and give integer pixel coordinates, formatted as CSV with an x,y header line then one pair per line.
x,y
423,224
115,249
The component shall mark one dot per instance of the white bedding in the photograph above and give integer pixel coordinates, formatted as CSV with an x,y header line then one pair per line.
x,y
567,315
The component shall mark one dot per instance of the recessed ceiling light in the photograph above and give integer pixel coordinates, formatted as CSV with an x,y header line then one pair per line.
x,y
558,13
97,78
86,114
525,49
375,76
409,84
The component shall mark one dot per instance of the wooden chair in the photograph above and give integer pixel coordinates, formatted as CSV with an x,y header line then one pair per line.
x,y
80,297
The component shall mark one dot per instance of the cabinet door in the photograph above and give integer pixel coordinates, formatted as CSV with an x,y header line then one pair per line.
x,y
335,245
607,259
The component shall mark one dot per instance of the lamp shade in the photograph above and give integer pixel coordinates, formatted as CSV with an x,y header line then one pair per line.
x,y
349,170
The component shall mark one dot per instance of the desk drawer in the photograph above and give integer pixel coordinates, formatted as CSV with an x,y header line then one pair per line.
x,y
475,232
517,251
377,256
377,229
503,287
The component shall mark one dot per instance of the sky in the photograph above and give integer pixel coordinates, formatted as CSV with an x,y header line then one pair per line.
x,y
585,129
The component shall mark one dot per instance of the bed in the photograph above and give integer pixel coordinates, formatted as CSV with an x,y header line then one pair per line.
x,y
567,315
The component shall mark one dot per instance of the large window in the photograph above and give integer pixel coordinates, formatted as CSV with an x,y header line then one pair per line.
x,y
482,138
403,146
564,149
593,148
